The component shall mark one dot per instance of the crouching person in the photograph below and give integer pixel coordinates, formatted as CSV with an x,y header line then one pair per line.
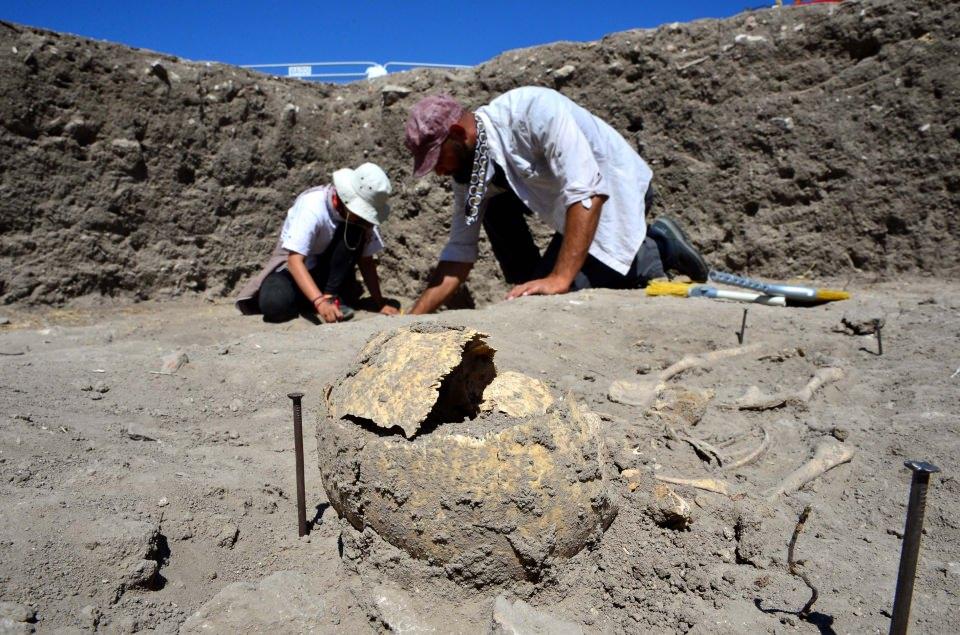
x,y
330,231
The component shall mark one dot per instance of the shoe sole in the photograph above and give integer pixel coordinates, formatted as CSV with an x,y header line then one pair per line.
x,y
683,241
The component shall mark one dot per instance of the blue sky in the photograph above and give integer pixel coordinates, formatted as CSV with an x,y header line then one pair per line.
x,y
244,32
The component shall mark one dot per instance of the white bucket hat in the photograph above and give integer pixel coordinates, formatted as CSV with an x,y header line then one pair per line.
x,y
364,191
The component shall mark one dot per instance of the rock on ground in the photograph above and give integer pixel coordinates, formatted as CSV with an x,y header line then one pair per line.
x,y
519,618
284,602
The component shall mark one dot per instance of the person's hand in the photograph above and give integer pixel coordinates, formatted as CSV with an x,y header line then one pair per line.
x,y
389,309
551,285
328,311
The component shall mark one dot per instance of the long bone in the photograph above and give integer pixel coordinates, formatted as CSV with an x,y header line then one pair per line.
x,y
827,456
643,393
755,400
707,484
753,455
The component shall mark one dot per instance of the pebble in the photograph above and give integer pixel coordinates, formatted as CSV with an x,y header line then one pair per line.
x,y
90,616
137,434
392,93
174,362
4,321
952,571
289,115
163,502
228,535
565,72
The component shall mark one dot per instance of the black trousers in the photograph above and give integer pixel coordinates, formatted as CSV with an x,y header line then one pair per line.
x,y
334,272
521,261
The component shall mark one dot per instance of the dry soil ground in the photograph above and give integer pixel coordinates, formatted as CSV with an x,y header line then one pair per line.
x,y
109,470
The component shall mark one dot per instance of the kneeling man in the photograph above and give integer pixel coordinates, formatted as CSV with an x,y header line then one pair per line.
x,y
533,150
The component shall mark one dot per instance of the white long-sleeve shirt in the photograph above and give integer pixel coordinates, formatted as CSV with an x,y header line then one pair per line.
x,y
555,153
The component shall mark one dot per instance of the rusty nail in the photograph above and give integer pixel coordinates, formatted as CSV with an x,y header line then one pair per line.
x,y
296,397
911,545
743,328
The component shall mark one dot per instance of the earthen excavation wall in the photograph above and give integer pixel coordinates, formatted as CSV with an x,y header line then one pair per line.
x,y
819,140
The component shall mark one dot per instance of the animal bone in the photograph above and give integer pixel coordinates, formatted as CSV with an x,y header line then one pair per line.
x,y
753,399
706,360
644,393
752,456
633,393
703,449
708,484
827,456
783,355
677,405
725,442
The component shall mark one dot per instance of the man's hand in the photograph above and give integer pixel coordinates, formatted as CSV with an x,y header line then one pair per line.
x,y
328,311
579,229
551,285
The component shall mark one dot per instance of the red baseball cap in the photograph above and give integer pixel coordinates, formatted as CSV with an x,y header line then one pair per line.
x,y
427,128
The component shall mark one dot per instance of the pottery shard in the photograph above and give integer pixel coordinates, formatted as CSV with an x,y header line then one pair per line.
x,y
517,395
502,483
490,509
400,376
174,362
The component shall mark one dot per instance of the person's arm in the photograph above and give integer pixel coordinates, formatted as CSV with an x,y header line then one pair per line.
x,y
457,258
444,281
571,160
321,303
368,271
578,232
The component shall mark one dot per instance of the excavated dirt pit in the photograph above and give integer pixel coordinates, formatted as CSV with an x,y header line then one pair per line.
x,y
95,438
815,144
496,482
